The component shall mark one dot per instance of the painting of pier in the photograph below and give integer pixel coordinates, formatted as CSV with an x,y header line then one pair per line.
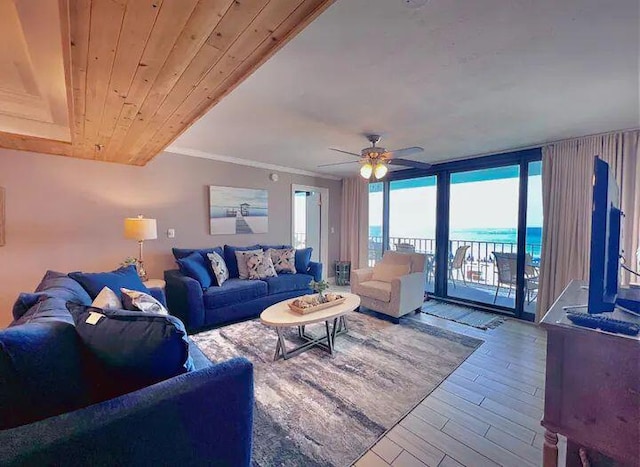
x,y
238,210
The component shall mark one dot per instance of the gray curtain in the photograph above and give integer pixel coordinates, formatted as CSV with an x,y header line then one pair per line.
x,y
354,227
567,174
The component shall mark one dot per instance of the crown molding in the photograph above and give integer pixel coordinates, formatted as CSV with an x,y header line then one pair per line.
x,y
236,160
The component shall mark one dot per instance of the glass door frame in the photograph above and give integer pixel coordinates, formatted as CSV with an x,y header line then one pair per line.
x,y
443,172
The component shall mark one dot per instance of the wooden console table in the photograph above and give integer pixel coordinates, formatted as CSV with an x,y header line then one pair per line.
x,y
592,388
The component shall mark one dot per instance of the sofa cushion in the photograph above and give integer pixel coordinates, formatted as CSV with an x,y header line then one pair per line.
x,y
233,291
94,282
131,349
377,290
303,258
40,372
60,285
230,257
200,360
288,283
385,272
195,266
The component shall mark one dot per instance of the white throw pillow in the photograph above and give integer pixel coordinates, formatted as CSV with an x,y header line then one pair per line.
x,y
260,266
284,260
107,299
387,272
219,267
241,259
140,301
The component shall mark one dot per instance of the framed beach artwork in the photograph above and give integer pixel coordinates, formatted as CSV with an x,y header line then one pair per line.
x,y
238,210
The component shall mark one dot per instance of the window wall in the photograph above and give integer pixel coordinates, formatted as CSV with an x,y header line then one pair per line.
x,y
376,204
412,219
483,235
479,221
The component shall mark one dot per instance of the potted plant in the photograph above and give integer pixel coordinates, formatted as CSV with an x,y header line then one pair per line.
x,y
319,287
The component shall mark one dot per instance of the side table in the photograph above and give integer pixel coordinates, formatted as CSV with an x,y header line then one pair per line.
x,y
155,283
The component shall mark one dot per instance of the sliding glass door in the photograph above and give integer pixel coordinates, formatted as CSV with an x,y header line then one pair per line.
x,y
478,221
483,236
412,220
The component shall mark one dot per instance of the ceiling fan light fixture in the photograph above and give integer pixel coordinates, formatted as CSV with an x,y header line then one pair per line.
x,y
380,170
366,170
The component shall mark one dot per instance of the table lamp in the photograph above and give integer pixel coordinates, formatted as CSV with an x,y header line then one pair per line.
x,y
140,229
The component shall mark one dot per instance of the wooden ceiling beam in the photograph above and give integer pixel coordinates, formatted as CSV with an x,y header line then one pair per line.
x,y
140,72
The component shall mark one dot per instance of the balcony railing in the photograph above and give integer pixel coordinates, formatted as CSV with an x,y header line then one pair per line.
x,y
299,240
479,265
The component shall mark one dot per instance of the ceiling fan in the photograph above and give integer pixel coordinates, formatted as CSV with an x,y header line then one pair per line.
x,y
374,159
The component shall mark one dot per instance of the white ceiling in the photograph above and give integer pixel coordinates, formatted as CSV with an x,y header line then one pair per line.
x,y
457,77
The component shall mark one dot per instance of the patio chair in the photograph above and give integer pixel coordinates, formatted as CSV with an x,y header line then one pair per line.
x,y
531,276
430,266
405,248
458,262
507,264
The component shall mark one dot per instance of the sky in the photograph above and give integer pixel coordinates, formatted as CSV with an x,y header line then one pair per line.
x,y
488,204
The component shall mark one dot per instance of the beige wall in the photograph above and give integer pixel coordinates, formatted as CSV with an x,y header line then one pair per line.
x,y
67,214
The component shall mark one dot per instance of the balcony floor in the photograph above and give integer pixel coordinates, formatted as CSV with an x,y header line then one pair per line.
x,y
484,294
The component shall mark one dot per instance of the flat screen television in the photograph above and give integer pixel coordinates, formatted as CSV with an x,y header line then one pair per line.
x,y
604,265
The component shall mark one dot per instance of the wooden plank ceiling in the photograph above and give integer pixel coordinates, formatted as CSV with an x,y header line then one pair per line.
x,y
140,72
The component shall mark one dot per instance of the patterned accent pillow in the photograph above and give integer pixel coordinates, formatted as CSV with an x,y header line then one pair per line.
x,y
219,267
107,299
241,259
140,301
260,266
284,260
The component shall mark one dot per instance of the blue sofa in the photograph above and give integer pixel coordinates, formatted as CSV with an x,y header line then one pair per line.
x,y
237,299
50,416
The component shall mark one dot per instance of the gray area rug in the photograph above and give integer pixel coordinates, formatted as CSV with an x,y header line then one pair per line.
x,y
314,410
462,314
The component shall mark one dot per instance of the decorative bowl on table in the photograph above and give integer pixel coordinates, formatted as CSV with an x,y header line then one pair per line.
x,y
310,303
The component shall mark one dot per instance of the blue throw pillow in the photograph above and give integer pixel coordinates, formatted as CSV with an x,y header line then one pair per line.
x,y
94,282
132,349
179,253
60,285
231,260
196,267
303,258
275,247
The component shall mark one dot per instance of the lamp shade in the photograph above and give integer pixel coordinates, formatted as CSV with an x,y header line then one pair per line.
x,y
139,228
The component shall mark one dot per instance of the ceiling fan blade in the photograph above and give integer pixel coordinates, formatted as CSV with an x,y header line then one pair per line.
x,y
339,163
409,163
347,152
404,152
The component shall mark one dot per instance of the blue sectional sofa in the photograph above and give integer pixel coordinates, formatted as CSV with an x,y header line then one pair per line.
x,y
49,414
201,305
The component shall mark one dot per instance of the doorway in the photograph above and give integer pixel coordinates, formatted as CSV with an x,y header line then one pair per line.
x,y
310,209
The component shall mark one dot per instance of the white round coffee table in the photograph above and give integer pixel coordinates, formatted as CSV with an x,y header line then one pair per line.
x,y
280,316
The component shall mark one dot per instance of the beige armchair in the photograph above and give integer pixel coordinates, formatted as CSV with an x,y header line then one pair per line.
x,y
395,286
